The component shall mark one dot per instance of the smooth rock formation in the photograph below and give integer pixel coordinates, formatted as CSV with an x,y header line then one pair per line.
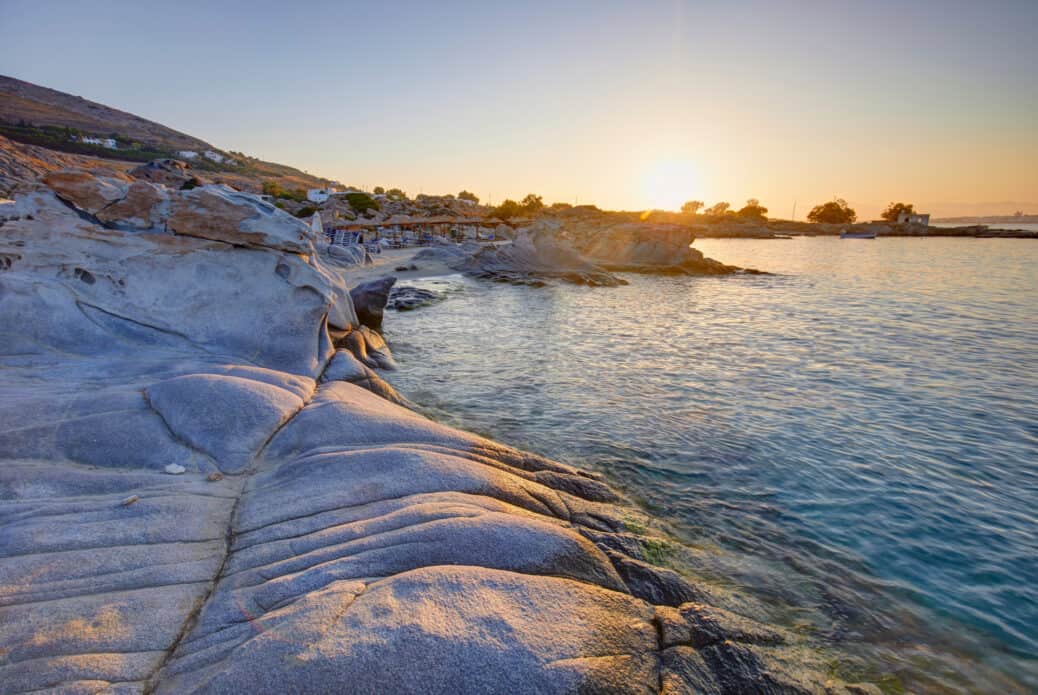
x,y
534,256
320,538
624,242
644,248
369,300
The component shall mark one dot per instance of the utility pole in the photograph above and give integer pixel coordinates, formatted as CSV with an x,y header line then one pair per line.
x,y
794,211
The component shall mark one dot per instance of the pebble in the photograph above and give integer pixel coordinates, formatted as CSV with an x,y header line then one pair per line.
x,y
175,469
130,500
213,477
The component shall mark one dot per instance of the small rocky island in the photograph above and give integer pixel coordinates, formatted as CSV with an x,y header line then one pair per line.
x,y
206,486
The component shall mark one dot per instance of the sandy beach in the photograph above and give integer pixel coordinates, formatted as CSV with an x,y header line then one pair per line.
x,y
387,262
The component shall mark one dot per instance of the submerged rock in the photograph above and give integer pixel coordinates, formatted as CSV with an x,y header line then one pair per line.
x,y
410,298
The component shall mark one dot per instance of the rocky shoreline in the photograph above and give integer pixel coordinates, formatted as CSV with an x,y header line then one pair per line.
x,y
206,486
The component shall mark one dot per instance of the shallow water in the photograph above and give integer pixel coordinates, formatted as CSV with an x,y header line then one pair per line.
x,y
853,440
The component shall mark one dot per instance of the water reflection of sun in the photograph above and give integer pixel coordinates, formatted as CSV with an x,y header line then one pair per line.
x,y
668,184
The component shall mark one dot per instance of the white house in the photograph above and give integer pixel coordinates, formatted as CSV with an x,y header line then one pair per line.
x,y
320,195
104,142
187,154
213,156
913,218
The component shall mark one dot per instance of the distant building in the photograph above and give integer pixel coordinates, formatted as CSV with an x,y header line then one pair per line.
x,y
213,156
110,143
187,154
320,195
913,218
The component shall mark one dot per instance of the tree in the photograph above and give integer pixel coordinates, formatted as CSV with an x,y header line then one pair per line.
x,y
471,197
508,210
532,203
835,211
396,194
894,211
692,207
717,210
753,210
379,190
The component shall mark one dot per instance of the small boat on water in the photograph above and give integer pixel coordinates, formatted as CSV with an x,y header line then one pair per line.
x,y
857,235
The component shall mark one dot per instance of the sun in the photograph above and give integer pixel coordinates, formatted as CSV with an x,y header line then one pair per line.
x,y
668,184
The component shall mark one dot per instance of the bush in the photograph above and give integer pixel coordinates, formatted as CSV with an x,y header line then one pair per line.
x,y
836,211
361,202
274,190
466,195
508,209
306,211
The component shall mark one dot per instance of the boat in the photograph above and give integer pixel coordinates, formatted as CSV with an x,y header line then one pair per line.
x,y
857,235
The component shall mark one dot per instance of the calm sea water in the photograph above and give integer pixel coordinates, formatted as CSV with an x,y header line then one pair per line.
x,y
853,440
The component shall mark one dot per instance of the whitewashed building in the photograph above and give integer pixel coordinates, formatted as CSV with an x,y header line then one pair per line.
x,y
187,154
110,143
913,218
213,156
320,195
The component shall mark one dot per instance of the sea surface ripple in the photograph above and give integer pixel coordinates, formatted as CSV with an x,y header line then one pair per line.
x,y
853,438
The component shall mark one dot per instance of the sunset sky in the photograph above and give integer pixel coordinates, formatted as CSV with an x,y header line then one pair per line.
x,y
622,104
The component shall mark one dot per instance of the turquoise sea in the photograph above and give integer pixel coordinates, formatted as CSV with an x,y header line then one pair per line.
x,y
852,441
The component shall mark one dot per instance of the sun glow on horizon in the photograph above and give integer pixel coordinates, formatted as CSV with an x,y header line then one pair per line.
x,y
669,183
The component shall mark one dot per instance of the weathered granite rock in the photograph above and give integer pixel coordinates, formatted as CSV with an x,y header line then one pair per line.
x,y
84,190
346,367
626,242
369,300
534,256
320,537
172,173
144,207
224,214
651,248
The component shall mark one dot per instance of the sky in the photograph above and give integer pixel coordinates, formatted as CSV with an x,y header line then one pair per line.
x,y
627,105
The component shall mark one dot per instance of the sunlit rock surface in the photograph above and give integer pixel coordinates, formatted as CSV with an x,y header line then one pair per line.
x,y
321,537
642,248
534,256
616,243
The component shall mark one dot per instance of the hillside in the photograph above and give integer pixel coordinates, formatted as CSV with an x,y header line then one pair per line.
x,y
24,101
42,129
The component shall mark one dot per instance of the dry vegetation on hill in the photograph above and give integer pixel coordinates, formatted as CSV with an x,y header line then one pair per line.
x,y
32,117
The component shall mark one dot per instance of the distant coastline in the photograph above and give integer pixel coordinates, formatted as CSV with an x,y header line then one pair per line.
x,y
989,219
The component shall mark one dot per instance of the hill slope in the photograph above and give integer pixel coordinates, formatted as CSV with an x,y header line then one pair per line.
x,y
21,100
33,119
